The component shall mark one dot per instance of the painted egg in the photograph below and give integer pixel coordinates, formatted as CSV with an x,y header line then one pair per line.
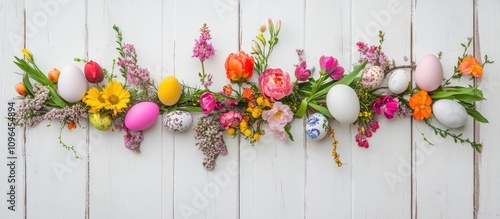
x,y
429,73
343,103
72,84
317,126
399,81
177,121
450,113
169,91
102,123
372,77
141,116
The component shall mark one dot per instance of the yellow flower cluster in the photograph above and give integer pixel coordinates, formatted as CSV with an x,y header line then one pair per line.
x,y
365,114
256,111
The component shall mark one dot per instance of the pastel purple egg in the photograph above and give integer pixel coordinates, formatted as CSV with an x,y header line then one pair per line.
x,y
141,116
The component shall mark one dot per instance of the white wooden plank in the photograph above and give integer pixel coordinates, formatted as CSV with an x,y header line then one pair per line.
x,y
444,172
488,162
125,184
167,68
198,193
55,34
379,188
273,172
12,175
328,187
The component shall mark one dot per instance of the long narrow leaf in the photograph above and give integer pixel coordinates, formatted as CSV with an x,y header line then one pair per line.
x,y
477,115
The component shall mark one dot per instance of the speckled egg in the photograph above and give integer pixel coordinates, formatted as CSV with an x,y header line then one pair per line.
x,y
177,121
372,77
317,126
100,122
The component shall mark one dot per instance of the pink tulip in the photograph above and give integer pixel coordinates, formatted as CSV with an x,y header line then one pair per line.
x,y
329,65
301,72
207,102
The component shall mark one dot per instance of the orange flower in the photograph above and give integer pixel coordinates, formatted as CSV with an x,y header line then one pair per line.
x,y
239,67
471,65
71,125
248,93
227,89
421,105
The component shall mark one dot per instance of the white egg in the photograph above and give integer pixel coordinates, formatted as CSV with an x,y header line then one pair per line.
x,y
317,126
343,103
72,84
398,82
372,77
177,121
450,113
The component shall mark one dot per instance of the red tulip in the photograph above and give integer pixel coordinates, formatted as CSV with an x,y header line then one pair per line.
x,y
93,72
21,89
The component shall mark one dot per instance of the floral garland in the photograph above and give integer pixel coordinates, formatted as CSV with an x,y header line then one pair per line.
x,y
248,108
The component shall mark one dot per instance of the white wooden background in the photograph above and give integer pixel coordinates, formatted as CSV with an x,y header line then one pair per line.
x,y
399,176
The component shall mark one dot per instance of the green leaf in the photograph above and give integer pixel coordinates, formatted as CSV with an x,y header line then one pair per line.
x,y
347,80
287,130
476,115
321,109
303,108
57,99
190,108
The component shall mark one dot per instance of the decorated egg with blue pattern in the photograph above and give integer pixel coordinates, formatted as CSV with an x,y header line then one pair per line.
x,y
317,126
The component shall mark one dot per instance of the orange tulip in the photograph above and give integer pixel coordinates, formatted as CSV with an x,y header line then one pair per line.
x,y
471,65
421,105
21,89
239,67
248,93
54,75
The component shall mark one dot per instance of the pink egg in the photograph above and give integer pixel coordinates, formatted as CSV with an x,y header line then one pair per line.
x,y
141,116
429,73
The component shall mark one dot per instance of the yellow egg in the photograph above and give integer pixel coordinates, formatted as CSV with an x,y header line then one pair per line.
x,y
169,91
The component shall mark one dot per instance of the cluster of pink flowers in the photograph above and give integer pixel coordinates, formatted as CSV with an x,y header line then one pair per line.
x,y
135,74
365,132
31,110
278,117
69,114
132,139
210,140
202,48
373,56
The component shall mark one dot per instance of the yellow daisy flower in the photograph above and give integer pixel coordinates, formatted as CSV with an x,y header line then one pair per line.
x,y
116,97
94,100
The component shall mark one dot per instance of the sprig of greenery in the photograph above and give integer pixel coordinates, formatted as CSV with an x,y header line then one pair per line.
x,y
456,138
261,55
65,146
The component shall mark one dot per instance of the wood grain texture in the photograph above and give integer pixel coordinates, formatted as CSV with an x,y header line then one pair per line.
x,y
11,43
55,34
444,181
399,176
488,163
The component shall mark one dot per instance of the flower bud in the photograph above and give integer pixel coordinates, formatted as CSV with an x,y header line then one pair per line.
x,y
21,89
93,72
271,25
53,75
262,28
261,39
278,26
256,47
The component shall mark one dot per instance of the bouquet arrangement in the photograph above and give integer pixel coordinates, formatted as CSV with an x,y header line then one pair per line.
x,y
247,108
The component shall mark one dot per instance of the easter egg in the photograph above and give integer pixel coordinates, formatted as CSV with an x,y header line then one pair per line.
x,y
72,84
141,116
429,73
317,126
398,82
177,121
450,113
102,123
372,77
343,103
169,91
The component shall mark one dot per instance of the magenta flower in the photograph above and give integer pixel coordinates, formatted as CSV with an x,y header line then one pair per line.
x,y
230,119
301,72
329,65
207,102
277,118
275,84
387,105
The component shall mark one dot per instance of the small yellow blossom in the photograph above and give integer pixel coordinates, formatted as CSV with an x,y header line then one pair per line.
x,y
231,131
247,132
27,53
